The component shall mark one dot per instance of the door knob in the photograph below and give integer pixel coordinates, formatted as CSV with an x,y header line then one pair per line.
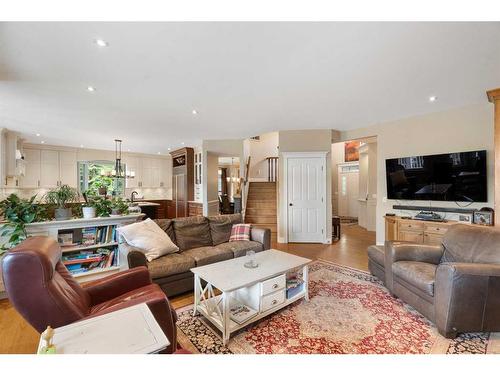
x,y
291,204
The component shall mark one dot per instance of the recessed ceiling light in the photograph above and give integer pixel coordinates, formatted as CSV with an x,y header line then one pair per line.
x,y
182,143
194,112
158,152
432,98
169,149
128,150
90,88
42,142
37,134
81,146
101,43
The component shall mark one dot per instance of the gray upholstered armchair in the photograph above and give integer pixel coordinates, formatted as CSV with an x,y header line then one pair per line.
x,y
456,284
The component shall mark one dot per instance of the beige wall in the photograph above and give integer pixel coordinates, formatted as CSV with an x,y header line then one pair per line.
x,y
464,129
212,149
338,157
305,141
259,150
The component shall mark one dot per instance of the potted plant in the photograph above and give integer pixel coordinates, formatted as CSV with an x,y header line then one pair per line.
x,y
88,209
61,197
118,206
101,204
17,213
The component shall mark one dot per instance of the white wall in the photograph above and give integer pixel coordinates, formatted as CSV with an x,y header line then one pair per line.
x,y
259,150
463,129
305,141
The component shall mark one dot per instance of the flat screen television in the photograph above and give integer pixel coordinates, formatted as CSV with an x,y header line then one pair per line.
x,y
459,177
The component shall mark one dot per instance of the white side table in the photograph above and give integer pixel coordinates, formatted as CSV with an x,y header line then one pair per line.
x,y
133,330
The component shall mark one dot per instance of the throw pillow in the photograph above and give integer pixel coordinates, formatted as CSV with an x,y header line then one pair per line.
x,y
149,238
240,232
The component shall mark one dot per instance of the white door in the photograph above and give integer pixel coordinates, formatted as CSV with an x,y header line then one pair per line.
x,y
348,193
67,168
49,177
31,178
306,186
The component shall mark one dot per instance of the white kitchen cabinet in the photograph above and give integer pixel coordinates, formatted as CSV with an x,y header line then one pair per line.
x,y
150,173
166,173
68,168
49,169
132,164
49,165
31,178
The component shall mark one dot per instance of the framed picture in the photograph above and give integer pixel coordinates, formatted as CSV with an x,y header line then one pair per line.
x,y
351,151
483,217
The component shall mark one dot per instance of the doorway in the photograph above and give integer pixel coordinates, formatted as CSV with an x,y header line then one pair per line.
x,y
305,196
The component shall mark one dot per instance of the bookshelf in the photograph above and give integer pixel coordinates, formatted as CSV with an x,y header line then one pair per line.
x,y
91,248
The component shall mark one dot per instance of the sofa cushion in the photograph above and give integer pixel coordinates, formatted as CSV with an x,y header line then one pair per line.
x,y
192,232
418,274
149,238
208,254
168,226
240,232
240,248
220,227
377,254
170,265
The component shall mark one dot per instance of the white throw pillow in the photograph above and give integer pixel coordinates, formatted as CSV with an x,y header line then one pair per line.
x,y
148,237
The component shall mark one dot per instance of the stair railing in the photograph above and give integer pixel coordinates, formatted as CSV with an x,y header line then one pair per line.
x,y
272,168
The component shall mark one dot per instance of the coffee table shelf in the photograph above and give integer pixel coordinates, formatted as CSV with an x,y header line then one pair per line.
x,y
262,289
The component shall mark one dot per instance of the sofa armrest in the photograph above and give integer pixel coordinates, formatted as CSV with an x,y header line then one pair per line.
x,y
467,297
135,257
117,284
400,251
262,235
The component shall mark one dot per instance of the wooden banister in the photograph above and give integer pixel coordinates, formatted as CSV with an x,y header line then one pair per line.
x,y
272,168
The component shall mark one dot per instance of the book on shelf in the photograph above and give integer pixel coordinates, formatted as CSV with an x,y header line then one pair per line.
x,y
65,238
240,313
89,236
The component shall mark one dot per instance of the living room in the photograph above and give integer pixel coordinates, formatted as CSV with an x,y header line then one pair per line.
x,y
249,188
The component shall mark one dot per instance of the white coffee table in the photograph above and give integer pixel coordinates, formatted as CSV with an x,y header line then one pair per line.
x,y
262,288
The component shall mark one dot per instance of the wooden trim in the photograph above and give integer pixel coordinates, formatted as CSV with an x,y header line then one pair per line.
x,y
494,97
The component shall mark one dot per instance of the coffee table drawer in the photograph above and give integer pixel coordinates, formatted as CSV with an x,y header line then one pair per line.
x,y
271,285
272,300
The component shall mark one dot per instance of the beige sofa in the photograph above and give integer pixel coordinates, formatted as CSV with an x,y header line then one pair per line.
x,y
202,241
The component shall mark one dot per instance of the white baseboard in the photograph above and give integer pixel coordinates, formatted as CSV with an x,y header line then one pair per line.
x,y
282,240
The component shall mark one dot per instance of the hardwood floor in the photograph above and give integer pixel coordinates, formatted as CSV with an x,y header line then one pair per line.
x,y
17,336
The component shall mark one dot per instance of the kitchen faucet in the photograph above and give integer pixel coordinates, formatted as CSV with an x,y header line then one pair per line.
x,y
134,193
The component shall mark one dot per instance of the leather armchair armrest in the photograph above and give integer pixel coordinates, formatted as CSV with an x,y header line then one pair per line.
x,y
467,297
117,284
262,235
400,251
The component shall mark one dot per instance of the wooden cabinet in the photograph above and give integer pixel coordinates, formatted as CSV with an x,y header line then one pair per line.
x,y
182,179
49,169
417,231
195,209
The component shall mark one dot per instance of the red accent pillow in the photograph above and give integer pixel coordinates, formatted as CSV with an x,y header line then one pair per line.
x,y
240,232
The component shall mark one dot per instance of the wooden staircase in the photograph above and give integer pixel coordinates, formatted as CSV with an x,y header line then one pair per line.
x,y
261,209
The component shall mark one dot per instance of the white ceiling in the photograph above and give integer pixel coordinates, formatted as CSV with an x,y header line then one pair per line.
x,y
242,78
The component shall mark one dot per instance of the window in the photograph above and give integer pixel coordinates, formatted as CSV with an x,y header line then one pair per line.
x,y
92,176
413,162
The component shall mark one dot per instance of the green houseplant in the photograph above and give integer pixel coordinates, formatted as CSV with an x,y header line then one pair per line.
x,y
118,206
18,212
102,205
61,197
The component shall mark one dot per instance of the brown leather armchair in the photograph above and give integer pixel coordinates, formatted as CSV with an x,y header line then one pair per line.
x,y
44,292
456,284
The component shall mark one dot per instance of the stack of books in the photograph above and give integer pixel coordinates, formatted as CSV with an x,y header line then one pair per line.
x,y
294,282
240,313
88,236
85,261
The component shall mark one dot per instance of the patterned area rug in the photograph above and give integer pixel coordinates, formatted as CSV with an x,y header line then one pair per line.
x,y
349,311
